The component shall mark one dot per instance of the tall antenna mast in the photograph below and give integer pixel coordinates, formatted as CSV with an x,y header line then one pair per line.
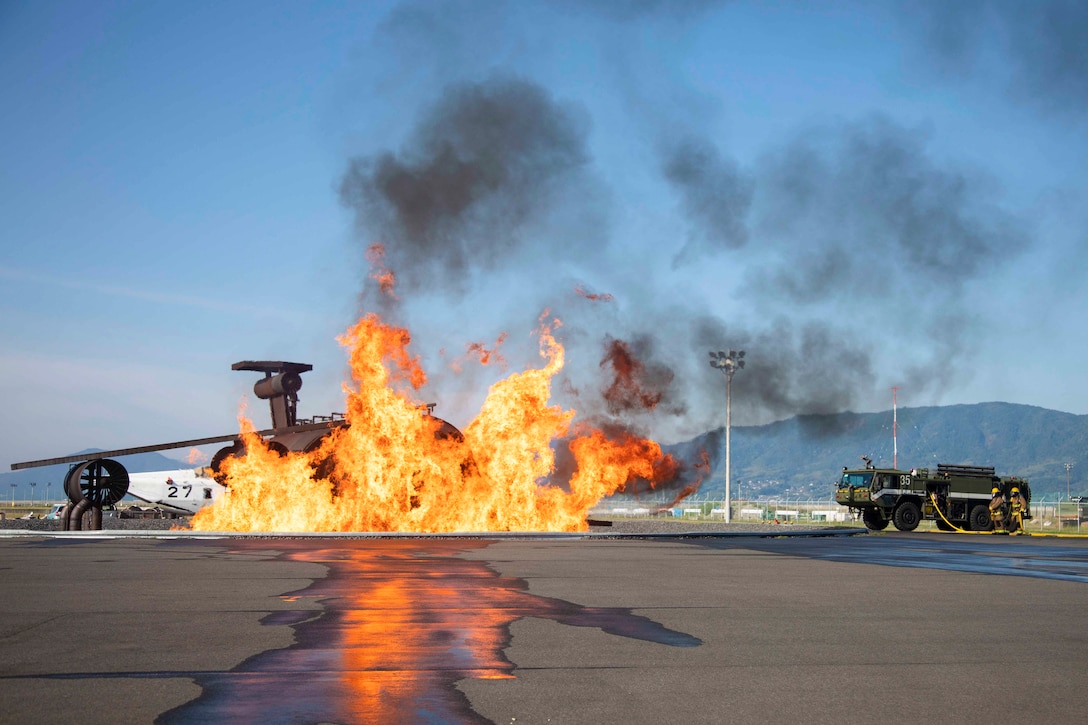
x,y
895,428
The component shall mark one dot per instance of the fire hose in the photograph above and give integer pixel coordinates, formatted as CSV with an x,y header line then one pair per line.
x,y
956,529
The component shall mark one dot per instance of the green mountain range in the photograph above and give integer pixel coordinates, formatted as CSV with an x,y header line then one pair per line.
x,y
805,455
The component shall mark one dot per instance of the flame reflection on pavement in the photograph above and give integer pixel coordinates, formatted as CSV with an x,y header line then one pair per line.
x,y
403,621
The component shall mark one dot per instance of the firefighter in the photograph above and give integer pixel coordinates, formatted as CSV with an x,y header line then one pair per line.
x,y
997,508
1016,511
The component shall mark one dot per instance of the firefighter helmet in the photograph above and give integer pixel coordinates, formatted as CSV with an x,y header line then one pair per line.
x,y
995,491
1015,489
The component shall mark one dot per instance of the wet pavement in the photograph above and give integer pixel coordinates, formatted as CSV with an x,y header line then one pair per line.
x,y
401,626
525,629
1030,556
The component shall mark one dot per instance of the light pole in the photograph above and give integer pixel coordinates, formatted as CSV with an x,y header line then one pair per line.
x,y
1068,468
33,490
13,494
895,428
729,364
47,485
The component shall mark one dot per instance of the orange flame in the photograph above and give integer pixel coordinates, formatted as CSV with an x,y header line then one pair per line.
x,y
385,277
479,352
703,468
394,468
593,296
196,456
629,388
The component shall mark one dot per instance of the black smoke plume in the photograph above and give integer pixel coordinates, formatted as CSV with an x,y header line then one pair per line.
x,y
485,160
1042,45
862,212
714,194
858,222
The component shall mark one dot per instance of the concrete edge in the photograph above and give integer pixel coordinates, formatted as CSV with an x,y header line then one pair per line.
x,y
217,535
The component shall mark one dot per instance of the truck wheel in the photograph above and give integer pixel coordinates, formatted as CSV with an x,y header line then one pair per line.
x,y
873,520
979,519
943,525
906,516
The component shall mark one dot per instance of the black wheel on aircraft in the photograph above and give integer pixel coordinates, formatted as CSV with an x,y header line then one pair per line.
x,y
448,431
979,519
238,448
101,482
873,520
278,448
906,516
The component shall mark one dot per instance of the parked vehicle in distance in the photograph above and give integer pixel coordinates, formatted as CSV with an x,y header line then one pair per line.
x,y
55,511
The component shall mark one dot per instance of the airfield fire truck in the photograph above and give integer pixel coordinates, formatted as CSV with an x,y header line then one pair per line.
x,y
954,496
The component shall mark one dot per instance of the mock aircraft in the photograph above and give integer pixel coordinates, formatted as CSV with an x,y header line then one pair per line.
x,y
102,482
183,491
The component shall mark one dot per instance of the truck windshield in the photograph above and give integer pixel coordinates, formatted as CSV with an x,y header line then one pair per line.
x,y
857,480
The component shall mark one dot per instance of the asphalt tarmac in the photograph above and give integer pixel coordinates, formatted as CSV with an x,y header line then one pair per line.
x,y
892,627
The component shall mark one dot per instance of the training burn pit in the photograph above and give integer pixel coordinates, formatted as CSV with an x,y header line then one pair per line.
x,y
390,466
387,464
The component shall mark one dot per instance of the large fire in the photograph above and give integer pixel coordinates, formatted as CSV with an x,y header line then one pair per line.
x,y
395,468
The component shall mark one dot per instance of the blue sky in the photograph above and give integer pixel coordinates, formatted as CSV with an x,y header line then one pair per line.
x,y
859,194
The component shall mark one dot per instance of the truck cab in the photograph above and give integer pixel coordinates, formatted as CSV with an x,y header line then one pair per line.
x,y
881,496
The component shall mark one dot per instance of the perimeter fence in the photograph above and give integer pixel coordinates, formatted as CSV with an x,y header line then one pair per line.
x,y
1053,516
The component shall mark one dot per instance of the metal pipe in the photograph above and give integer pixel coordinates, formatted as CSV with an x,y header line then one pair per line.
x,y
75,515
